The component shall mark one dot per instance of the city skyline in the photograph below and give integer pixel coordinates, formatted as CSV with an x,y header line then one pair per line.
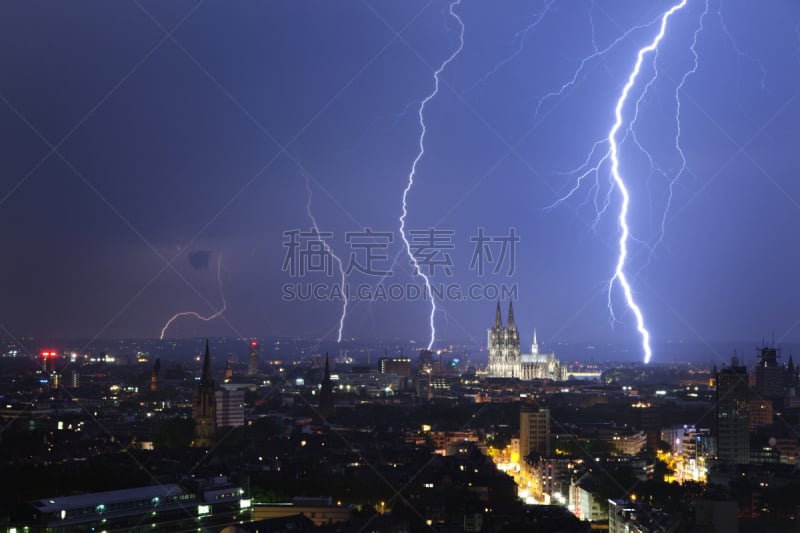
x,y
197,131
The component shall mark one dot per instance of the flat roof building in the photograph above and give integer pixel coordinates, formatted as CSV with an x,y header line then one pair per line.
x,y
167,507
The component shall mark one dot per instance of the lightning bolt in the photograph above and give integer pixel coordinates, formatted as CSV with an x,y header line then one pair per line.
x,y
198,315
797,34
519,39
606,153
335,257
420,153
619,273
680,86
582,66
740,53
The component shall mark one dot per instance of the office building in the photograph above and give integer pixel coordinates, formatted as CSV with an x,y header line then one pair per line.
x,y
534,432
733,413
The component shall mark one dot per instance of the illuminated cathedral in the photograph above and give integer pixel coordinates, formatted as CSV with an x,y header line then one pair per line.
x,y
506,359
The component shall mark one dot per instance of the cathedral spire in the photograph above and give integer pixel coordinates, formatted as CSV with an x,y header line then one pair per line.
x,y
204,410
326,407
206,378
535,345
498,317
511,324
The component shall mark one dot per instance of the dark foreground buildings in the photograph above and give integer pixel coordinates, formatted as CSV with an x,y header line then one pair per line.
x,y
194,505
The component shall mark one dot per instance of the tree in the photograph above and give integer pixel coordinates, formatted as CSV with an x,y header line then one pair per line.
x,y
175,433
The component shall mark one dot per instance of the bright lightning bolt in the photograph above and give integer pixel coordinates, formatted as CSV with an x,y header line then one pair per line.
x,y
335,257
606,152
421,114
198,315
619,273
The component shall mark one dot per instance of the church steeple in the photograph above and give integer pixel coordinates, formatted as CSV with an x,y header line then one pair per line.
x,y
204,409
155,377
498,317
535,345
326,403
503,346
206,379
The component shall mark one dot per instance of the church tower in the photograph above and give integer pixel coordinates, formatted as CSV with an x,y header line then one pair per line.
x,y
504,346
513,336
326,407
204,407
155,377
495,338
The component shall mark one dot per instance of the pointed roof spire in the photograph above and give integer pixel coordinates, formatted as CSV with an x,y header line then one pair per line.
x,y
498,317
206,378
535,345
326,402
511,323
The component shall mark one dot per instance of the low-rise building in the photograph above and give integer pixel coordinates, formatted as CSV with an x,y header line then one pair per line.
x,y
169,507
321,511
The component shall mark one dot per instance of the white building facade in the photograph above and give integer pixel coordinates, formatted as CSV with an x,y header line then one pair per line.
x,y
506,359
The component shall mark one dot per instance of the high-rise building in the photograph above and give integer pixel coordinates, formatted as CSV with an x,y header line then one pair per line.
x,y
649,420
733,413
49,359
204,406
769,375
252,361
230,408
761,412
534,432
400,366
74,378
425,362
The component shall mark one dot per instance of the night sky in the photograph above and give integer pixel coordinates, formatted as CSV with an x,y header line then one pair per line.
x,y
142,141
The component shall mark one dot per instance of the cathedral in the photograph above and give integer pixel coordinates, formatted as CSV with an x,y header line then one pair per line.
x,y
506,359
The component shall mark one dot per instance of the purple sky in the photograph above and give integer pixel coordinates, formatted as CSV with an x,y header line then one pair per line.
x,y
172,149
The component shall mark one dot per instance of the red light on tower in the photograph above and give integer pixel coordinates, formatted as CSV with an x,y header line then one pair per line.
x,y
252,364
49,360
